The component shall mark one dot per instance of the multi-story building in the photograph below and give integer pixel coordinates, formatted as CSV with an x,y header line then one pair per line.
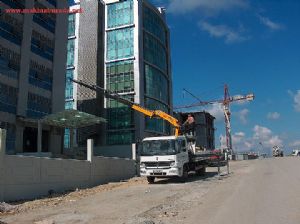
x,y
137,66
85,62
32,68
123,46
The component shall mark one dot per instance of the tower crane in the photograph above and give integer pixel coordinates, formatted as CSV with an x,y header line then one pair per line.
x,y
226,108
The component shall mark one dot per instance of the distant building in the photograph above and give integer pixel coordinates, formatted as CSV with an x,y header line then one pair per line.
x,y
137,66
205,131
32,68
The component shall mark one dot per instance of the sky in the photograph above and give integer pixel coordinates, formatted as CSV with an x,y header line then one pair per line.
x,y
253,46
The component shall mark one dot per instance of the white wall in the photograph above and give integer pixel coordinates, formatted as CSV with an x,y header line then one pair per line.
x,y
27,177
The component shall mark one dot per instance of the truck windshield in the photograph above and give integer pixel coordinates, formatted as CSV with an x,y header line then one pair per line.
x,y
158,147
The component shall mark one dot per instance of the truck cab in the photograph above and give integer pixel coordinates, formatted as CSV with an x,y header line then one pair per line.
x,y
163,156
171,156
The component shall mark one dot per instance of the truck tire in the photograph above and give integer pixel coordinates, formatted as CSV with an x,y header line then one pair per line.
x,y
150,180
201,172
185,175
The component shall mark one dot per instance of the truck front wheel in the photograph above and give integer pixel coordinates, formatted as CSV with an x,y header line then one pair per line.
x,y
150,180
185,175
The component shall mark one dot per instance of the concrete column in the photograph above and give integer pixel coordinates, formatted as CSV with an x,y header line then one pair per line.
x,y
90,149
2,155
39,137
133,148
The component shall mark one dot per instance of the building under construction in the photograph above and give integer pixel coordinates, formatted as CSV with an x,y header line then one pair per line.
x,y
204,128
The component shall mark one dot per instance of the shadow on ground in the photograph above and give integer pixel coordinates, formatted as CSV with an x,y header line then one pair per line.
x,y
192,178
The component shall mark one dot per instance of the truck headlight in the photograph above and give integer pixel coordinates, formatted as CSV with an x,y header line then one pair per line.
x,y
172,163
142,165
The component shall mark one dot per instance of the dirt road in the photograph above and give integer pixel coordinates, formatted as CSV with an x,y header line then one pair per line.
x,y
261,191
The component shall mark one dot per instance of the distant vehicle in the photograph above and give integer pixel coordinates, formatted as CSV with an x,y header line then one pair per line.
x,y
296,152
277,151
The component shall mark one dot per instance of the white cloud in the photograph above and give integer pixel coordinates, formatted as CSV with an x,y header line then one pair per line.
x,y
217,111
296,98
242,115
262,139
223,31
273,115
240,142
207,7
270,24
295,143
265,136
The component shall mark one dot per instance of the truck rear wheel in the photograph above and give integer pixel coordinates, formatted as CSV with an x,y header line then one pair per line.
x,y
150,180
201,171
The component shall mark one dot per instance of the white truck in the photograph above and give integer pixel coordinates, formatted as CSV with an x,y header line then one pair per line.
x,y
171,156
296,152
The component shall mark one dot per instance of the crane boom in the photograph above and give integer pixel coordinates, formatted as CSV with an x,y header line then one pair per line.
x,y
150,113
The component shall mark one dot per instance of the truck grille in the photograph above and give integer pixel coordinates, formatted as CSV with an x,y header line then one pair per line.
x,y
157,164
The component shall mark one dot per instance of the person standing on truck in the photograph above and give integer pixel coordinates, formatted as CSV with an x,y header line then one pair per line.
x,y
189,125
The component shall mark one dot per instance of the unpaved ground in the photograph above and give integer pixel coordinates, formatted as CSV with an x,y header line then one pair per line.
x,y
261,191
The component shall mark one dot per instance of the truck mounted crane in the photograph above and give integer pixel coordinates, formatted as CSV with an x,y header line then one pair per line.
x,y
163,156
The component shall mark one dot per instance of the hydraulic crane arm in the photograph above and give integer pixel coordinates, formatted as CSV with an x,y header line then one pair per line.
x,y
150,113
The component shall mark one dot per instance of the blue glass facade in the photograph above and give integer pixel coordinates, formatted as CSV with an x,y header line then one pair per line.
x,y
120,14
120,74
8,98
119,44
45,20
11,28
42,46
40,76
155,68
38,106
69,84
69,98
20,4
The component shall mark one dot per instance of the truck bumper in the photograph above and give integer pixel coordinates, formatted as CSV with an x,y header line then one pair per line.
x,y
171,172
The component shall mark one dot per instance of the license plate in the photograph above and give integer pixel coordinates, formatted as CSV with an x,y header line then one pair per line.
x,y
157,171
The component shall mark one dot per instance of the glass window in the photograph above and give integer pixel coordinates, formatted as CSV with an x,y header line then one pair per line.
x,y
153,24
154,124
154,52
118,73
71,25
156,84
70,53
120,13
119,44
